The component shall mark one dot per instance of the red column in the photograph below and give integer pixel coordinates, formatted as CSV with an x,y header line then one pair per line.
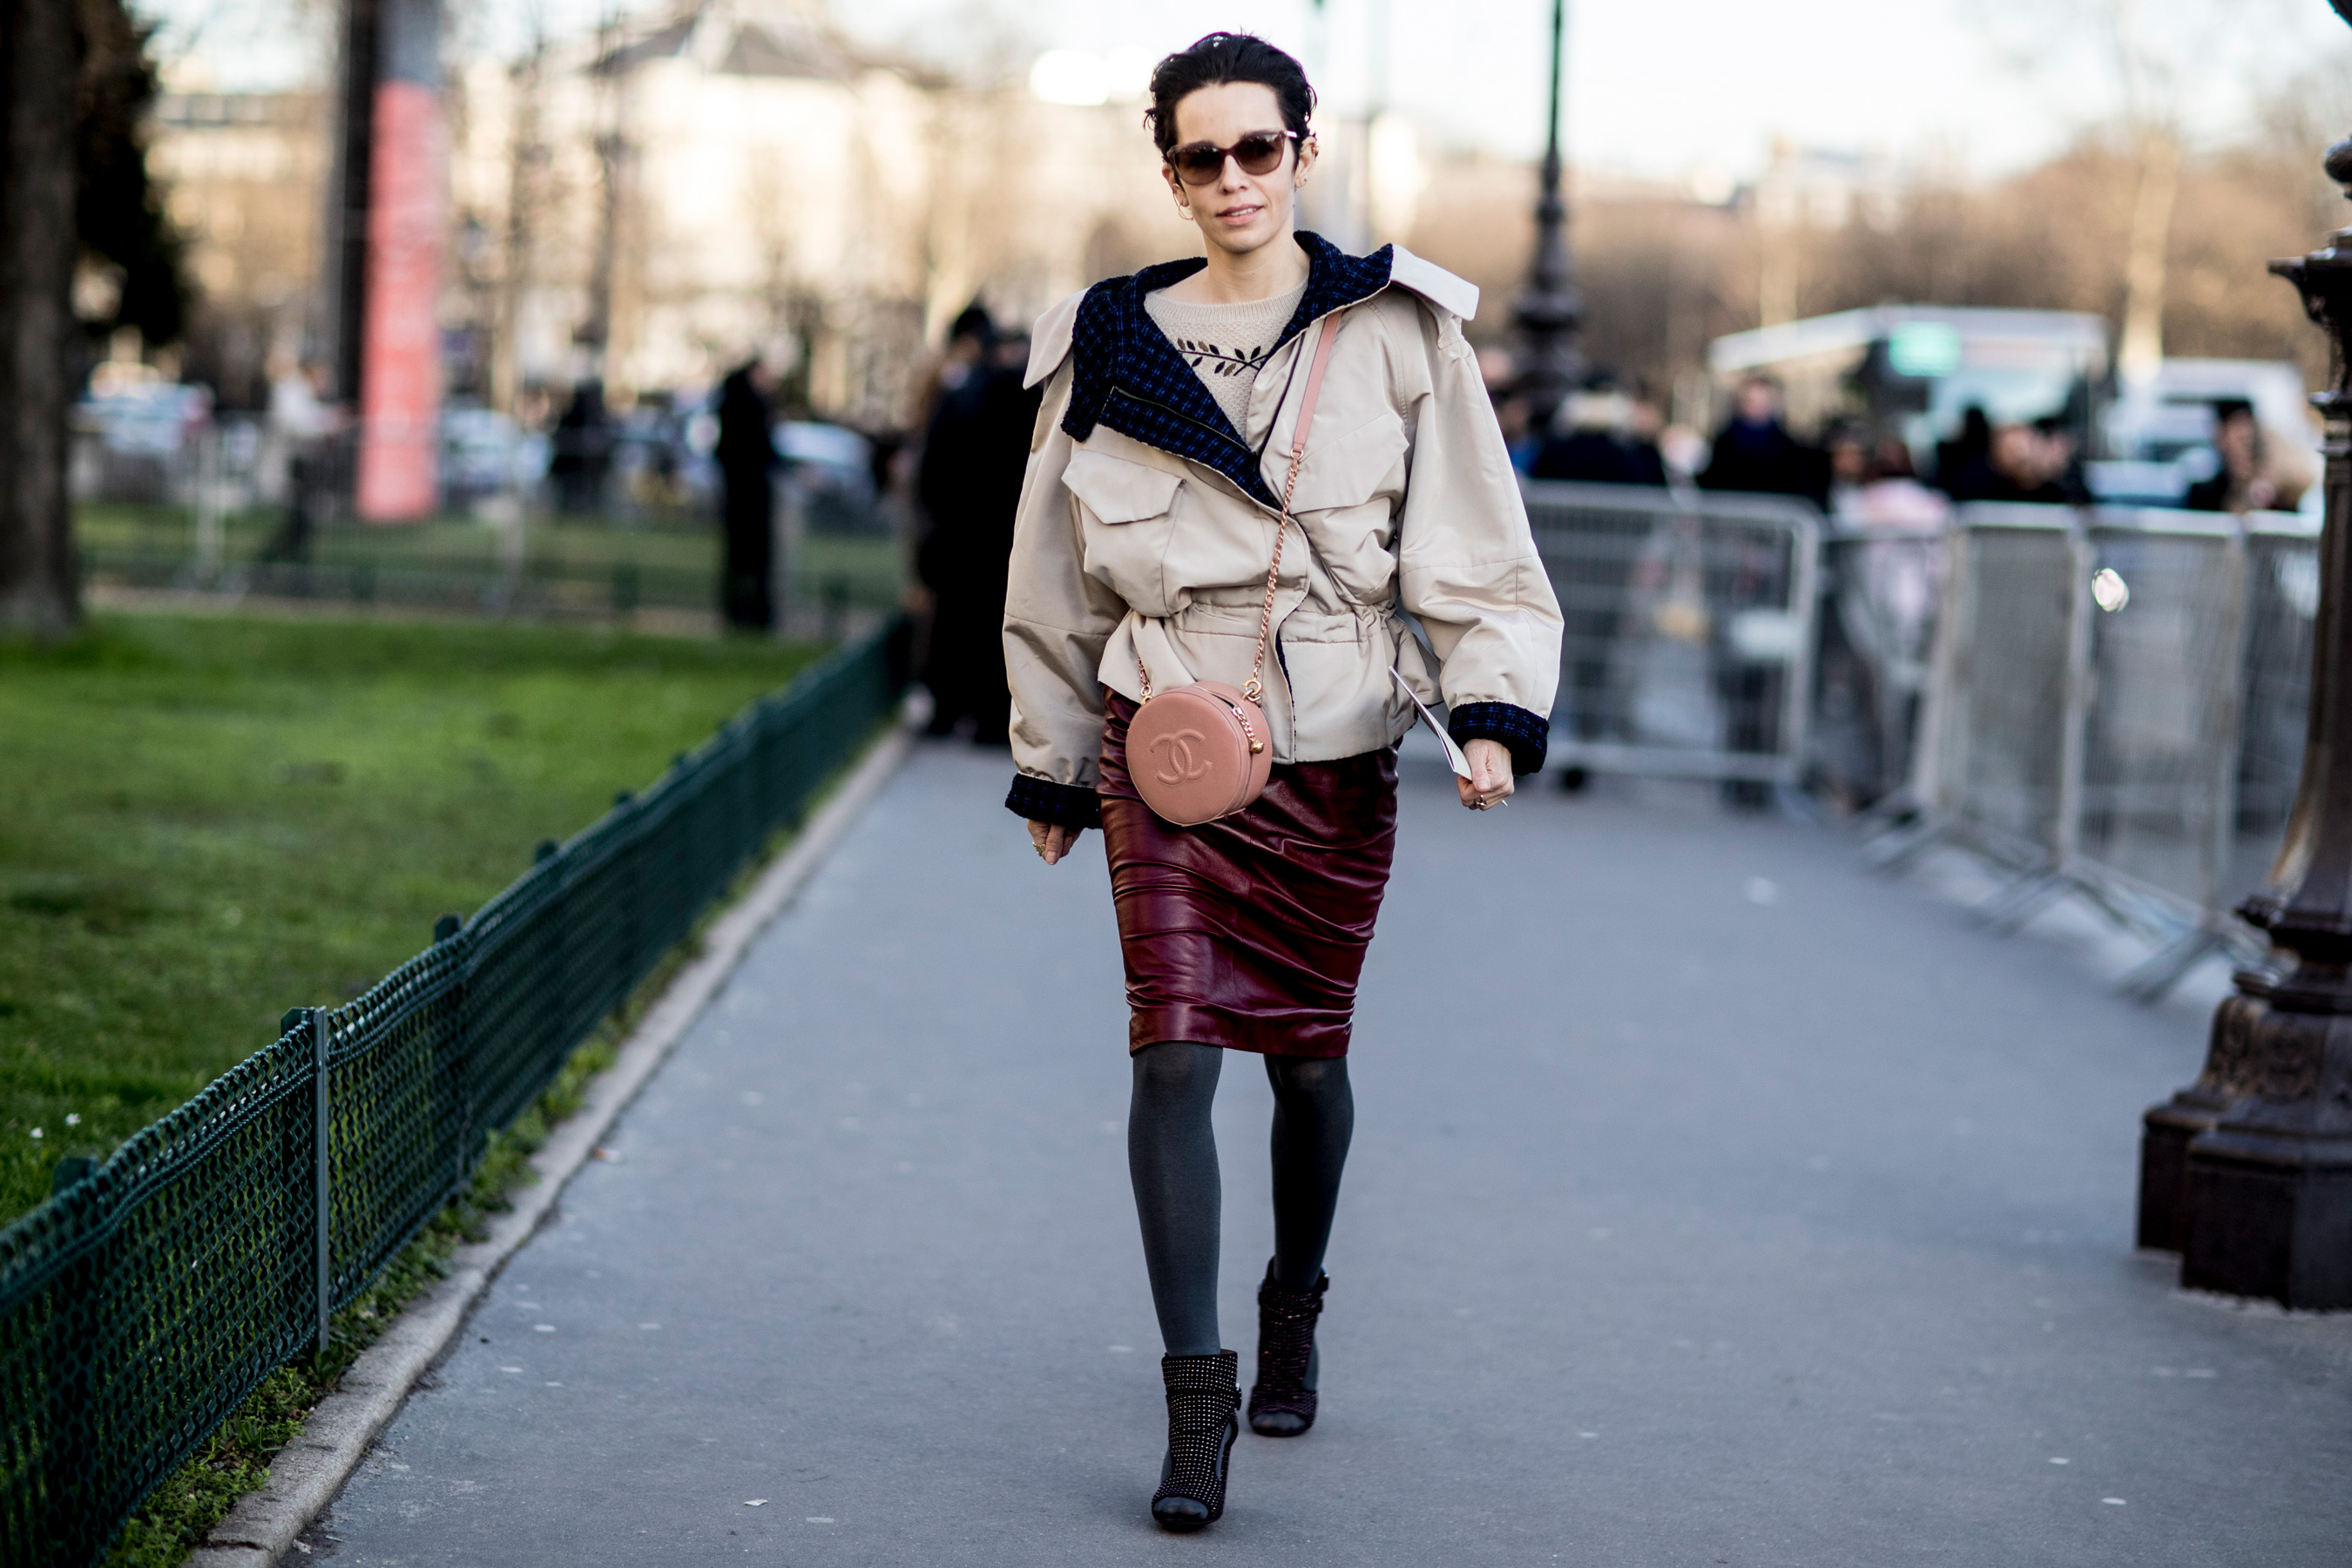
x,y
400,376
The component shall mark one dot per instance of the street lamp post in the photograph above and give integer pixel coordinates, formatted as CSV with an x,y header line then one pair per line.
x,y
1548,310
2247,1173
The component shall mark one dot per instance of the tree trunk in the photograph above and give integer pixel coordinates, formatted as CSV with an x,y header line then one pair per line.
x,y
40,66
2141,351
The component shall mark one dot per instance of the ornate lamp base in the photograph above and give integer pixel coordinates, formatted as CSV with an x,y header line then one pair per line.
x,y
2248,1173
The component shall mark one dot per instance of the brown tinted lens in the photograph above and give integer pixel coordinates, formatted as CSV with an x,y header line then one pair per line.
x,y
1260,152
1199,164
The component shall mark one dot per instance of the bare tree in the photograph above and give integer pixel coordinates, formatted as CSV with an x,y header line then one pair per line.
x,y
41,50
527,161
2151,121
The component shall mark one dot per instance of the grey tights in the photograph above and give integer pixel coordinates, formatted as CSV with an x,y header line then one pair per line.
x,y
1171,1153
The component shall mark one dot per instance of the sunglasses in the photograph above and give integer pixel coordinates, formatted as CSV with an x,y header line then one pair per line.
x,y
1204,163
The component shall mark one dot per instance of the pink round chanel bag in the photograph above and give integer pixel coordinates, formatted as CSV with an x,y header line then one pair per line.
x,y
1199,751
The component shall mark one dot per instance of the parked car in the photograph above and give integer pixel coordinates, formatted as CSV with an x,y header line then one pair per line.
x,y
134,438
2159,432
1915,371
483,454
833,467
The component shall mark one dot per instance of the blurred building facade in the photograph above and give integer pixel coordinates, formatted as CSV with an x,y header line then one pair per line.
x,y
244,178
652,202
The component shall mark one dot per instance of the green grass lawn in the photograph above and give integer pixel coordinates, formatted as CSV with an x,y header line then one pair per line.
x,y
204,821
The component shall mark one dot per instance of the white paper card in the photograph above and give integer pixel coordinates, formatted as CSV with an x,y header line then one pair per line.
x,y
1454,757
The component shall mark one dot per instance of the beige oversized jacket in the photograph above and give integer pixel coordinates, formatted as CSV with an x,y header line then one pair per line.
x,y
1406,493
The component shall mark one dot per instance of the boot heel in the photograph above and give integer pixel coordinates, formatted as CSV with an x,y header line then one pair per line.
x,y
1204,1398
1281,1405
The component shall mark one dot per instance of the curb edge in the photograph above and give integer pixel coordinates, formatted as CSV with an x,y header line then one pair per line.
x,y
309,1472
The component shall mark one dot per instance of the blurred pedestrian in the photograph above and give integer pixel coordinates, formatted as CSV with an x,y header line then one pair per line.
x,y
1886,586
2064,480
1748,569
1141,563
1891,496
1596,445
1645,432
305,420
1754,450
748,463
2241,484
975,449
1519,436
1513,409
2024,464
583,451
1592,572
1849,465
1957,458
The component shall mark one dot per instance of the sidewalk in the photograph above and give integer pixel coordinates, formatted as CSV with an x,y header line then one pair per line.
x,y
1712,1202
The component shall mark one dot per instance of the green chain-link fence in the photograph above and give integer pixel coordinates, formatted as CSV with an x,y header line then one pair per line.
x,y
139,1307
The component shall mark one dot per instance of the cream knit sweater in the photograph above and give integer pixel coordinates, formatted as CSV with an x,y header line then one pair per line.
x,y
1224,344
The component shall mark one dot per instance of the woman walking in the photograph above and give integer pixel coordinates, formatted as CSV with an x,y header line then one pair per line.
x,y
1198,416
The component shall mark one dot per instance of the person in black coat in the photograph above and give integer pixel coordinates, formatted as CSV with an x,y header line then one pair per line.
x,y
1599,447
2034,464
747,461
1755,452
2240,484
583,451
975,451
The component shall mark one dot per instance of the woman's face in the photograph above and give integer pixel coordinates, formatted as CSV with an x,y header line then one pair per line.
x,y
1238,212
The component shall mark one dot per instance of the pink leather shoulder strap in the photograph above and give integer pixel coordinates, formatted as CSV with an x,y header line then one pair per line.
x,y
1254,686
1315,369
1282,525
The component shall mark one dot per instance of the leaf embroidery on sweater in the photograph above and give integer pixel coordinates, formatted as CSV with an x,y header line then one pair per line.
x,y
1209,359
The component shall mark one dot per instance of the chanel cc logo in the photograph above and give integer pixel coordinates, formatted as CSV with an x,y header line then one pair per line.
x,y
1179,765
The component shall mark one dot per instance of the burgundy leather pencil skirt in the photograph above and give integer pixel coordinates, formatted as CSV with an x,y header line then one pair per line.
x,y
1249,933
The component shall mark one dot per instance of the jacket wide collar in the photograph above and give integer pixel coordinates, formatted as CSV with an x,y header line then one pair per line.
x,y
1127,375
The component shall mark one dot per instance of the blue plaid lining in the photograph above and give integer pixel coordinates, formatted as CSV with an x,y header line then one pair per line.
x,y
1127,375
1060,805
1528,735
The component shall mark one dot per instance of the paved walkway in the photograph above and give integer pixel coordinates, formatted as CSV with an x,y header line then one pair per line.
x,y
1713,1202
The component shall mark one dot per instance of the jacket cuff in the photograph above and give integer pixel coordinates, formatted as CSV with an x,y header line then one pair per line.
x,y
1055,805
1526,734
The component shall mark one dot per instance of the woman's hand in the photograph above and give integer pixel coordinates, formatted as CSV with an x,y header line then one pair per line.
x,y
1053,842
1489,784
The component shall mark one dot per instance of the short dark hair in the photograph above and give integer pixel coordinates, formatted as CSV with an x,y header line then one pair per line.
x,y
974,321
1223,58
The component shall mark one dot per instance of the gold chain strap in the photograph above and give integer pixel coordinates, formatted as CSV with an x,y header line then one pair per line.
x,y
1273,572
1256,687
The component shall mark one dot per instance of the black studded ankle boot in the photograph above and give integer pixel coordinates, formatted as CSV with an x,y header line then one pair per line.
x,y
1204,1398
1282,1402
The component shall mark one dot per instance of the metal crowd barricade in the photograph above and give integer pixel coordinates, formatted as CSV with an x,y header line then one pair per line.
x,y
2281,604
2000,762
2160,724
1688,630
1882,587
2116,710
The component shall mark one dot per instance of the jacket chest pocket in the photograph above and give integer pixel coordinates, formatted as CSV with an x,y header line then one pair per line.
x,y
1352,470
1115,491
1127,511
1347,489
